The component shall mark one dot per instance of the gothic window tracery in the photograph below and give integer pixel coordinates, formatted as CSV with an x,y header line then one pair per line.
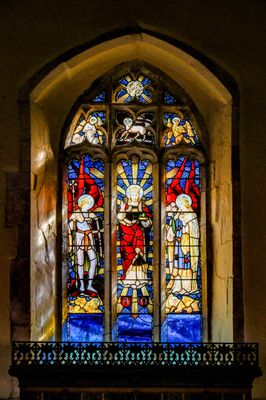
x,y
132,271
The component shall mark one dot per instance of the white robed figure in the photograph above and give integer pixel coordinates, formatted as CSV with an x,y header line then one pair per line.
x,y
183,246
81,241
89,129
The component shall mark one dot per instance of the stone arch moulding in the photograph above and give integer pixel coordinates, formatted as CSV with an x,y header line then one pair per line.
x,y
45,103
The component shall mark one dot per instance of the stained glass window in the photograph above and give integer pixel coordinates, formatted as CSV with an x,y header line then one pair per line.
x,y
132,189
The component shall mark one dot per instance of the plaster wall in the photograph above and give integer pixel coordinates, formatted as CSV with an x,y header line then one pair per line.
x,y
43,228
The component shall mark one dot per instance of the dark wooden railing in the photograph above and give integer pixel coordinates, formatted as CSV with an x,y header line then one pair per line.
x,y
135,354
135,371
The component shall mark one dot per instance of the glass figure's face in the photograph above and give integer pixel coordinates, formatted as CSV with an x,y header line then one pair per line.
x,y
134,194
93,120
85,202
176,121
128,122
183,204
86,206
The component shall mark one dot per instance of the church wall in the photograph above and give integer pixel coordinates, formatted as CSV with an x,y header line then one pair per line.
x,y
229,33
43,228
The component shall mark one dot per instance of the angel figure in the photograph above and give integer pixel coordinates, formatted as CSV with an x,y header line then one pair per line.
x,y
90,129
176,133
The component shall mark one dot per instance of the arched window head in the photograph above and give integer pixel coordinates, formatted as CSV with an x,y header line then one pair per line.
x,y
134,212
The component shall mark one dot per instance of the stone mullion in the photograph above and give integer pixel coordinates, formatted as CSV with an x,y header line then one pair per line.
x,y
203,252
156,255
107,254
163,247
113,251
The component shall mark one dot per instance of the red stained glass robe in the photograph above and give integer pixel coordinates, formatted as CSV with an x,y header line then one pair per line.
x,y
132,238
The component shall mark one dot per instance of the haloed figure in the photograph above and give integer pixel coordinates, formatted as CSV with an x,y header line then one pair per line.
x,y
133,220
89,130
176,133
81,241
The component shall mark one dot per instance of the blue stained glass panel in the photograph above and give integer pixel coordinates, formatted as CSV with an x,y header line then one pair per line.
x,y
124,81
147,93
121,93
182,328
100,98
169,99
135,329
83,328
142,100
134,238
145,81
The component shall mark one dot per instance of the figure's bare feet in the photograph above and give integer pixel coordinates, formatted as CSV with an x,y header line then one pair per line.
x,y
91,289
